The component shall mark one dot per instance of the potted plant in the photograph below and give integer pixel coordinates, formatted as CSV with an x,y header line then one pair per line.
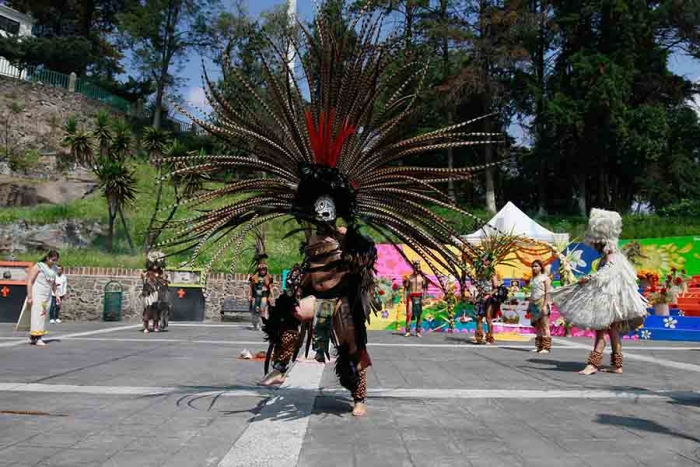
x,y
660,297
647,278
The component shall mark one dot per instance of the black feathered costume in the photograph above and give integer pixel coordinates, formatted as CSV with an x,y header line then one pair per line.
x,y
332,138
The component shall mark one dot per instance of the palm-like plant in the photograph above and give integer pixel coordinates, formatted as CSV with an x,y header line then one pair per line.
x,y
122,140
155,141
116,181
103,132
118,186
71,125
81,145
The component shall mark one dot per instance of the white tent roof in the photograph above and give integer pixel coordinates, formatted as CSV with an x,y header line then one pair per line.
x,y
512,220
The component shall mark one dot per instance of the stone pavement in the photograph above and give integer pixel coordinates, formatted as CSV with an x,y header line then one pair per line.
x,y
107,395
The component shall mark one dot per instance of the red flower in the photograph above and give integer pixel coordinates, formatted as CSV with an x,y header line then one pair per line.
x,y
669,277
679,281
395,286
652,289
674,269
664,290
381,292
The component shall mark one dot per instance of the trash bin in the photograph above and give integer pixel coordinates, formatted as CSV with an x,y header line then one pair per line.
x,y
13,289
113,298
187,294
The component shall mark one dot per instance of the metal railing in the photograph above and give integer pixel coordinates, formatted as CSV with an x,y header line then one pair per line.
x,y
95,92
72,83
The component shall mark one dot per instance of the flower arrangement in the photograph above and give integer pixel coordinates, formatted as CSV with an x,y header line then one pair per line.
x,y
659,295
647,275
388,291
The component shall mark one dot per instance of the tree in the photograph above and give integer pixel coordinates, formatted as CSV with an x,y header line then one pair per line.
x,y
159,33
64,54
612,103
118,186
105,150
91,21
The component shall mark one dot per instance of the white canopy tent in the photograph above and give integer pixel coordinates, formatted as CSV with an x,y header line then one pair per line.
x,y
512,220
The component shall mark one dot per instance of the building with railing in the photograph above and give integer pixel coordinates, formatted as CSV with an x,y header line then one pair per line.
x,y
13,23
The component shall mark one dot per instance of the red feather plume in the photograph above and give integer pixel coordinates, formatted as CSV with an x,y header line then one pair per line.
x,y
326,149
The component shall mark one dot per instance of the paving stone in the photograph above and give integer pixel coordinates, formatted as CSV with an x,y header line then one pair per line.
x,y
199,424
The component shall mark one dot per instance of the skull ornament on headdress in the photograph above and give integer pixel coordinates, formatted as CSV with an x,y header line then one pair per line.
x,y
325,209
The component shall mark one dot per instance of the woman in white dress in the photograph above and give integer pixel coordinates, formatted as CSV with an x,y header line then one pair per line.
x,y
41,285
607,301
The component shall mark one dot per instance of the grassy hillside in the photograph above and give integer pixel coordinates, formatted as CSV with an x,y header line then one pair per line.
x,y
283,251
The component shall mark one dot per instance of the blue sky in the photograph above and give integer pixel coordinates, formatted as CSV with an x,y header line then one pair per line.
x,y
192,91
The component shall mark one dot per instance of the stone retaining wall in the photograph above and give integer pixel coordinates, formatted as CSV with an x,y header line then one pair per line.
x,y
86,292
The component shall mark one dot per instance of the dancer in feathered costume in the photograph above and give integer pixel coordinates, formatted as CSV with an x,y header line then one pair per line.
x,y
154,293
260,284
607,301
493,250
327,158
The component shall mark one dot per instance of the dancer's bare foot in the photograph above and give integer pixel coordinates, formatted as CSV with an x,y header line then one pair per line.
x,y
145,331
617,371
41,343
418,334
360,409
273,378
543,351
408,334
589,370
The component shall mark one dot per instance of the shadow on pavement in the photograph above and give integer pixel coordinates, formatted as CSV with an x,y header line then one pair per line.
x,y
642,424
279,405
558,365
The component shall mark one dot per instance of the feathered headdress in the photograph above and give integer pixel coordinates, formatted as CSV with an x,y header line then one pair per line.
x,y
493,250
604,227
155,260
338,132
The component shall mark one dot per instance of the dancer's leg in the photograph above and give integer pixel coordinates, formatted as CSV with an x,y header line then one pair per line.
x,y
479,333
616,356
409,316
281,358
595,358
546,334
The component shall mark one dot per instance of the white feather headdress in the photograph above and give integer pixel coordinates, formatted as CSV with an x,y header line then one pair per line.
x,y
604,227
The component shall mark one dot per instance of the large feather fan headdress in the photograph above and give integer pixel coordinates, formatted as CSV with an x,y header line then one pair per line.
x,y
339,131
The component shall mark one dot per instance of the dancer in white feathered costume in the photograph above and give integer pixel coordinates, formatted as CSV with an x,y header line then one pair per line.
x,y
607,301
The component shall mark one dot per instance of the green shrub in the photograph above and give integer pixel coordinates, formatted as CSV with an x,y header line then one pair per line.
x,y
684,208
24,162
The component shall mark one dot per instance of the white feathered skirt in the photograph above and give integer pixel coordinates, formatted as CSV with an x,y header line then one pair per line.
x,y
610,299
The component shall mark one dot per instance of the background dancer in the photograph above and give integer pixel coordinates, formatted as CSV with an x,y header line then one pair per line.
x,y
155,293
487,306
540,307
260,286
607,301
416,286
